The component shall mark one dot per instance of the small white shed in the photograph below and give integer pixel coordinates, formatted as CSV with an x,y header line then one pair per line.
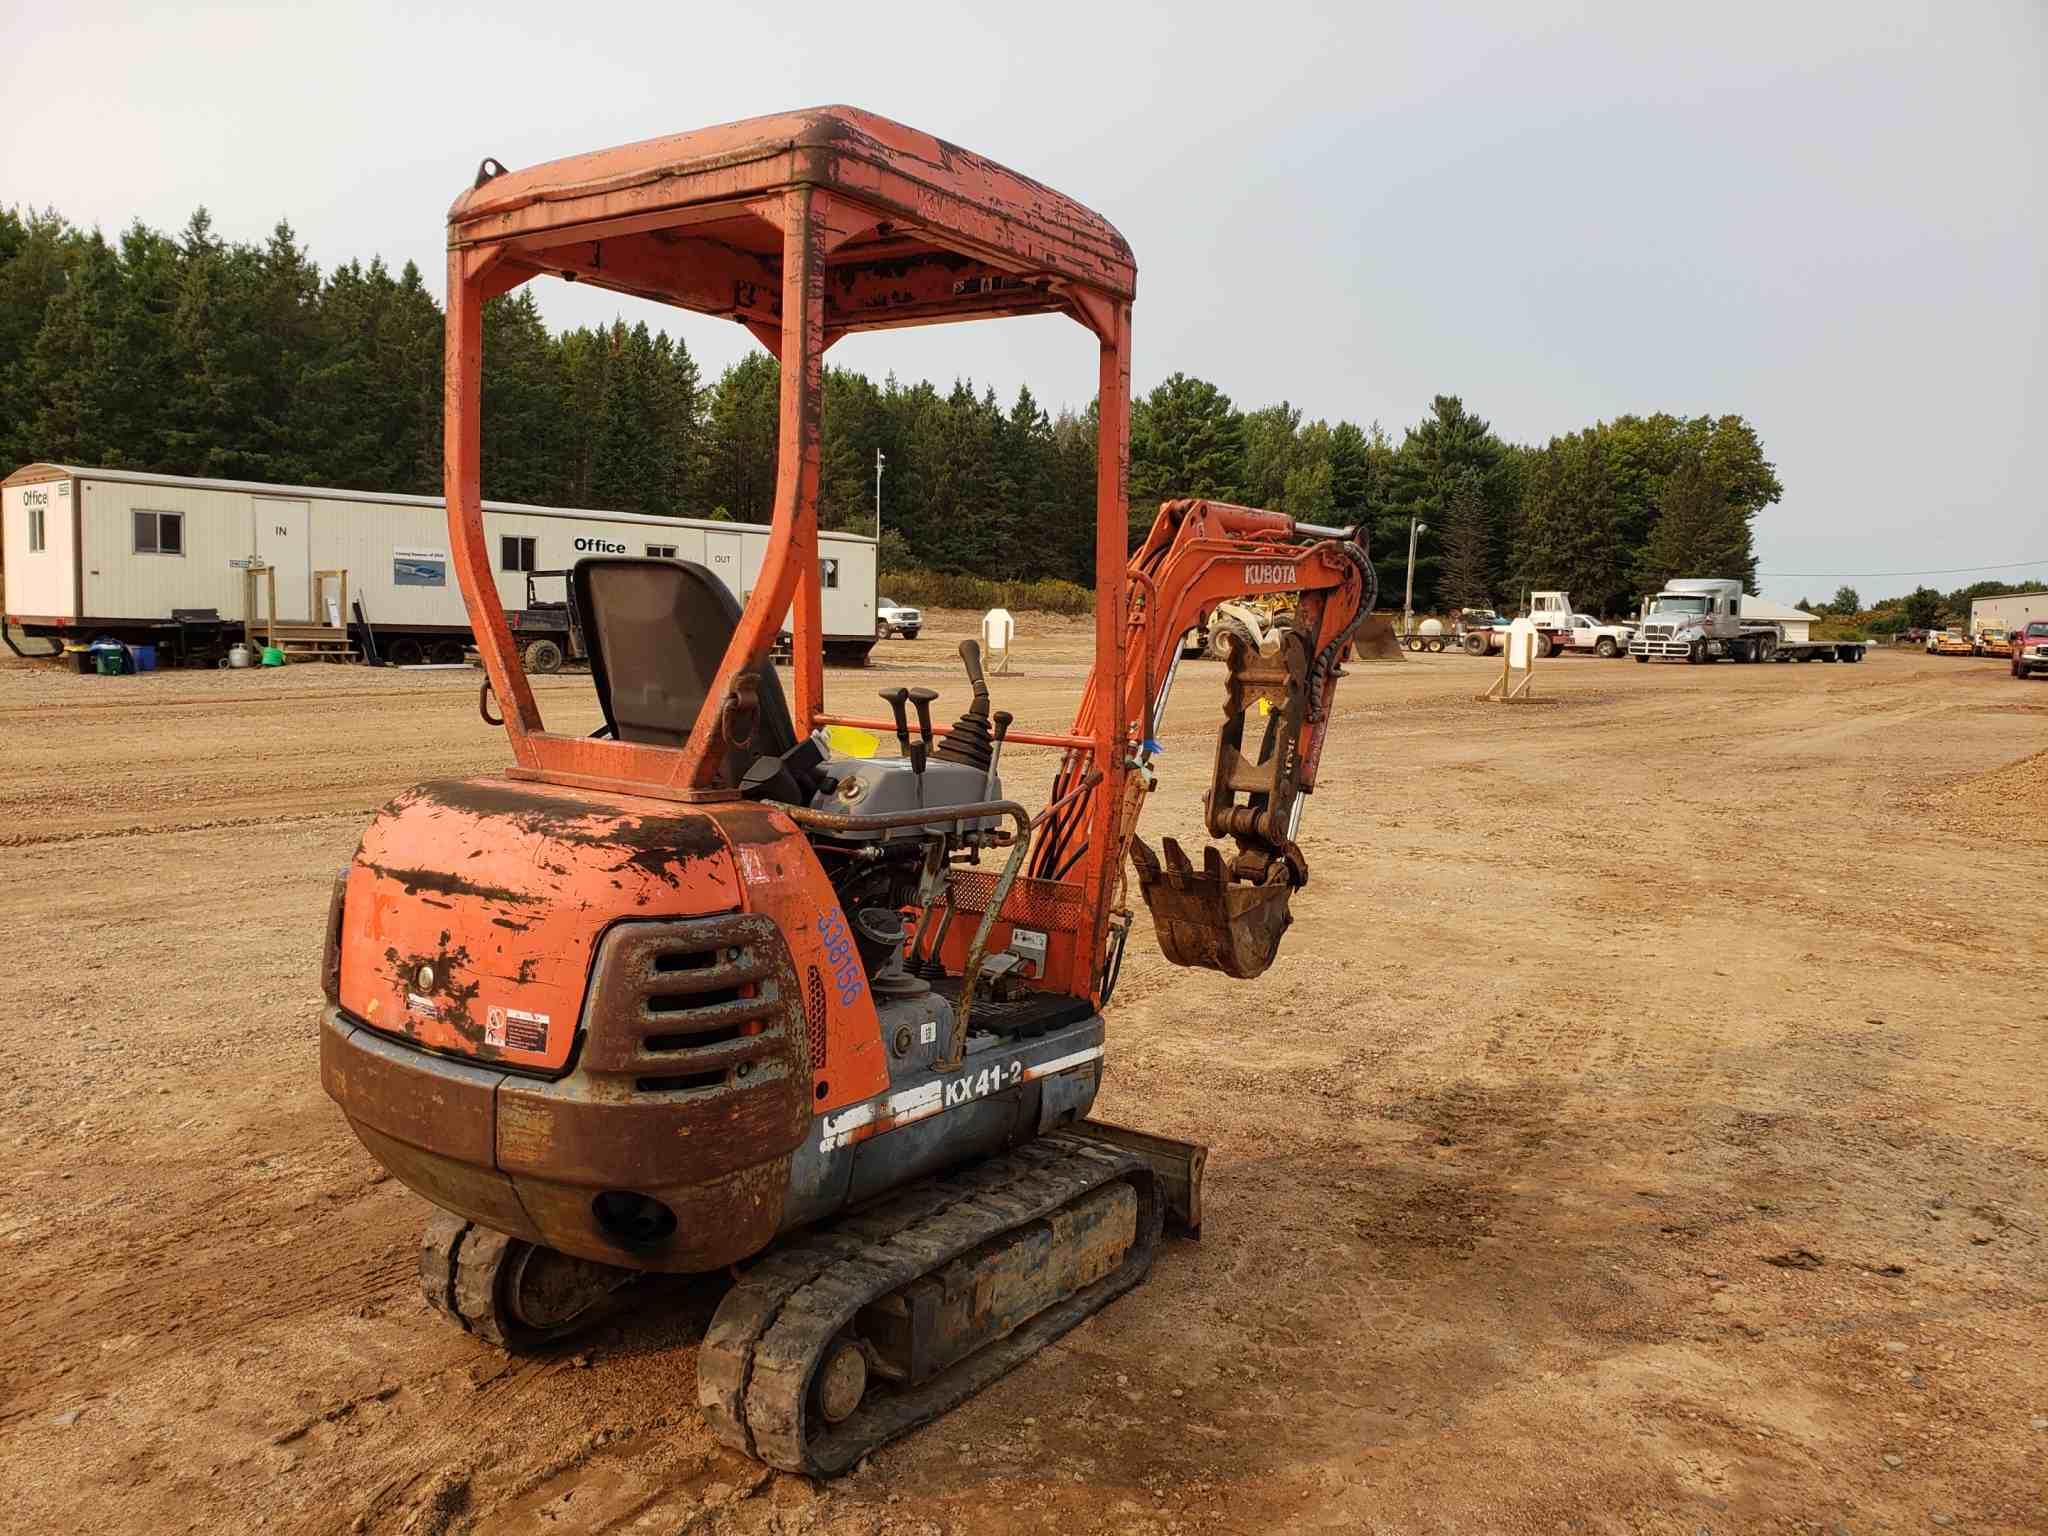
x,y
1795,623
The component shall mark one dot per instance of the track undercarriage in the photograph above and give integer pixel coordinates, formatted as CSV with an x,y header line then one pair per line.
x,y
847,1335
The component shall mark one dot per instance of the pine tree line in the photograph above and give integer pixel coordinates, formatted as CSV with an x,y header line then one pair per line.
x,y
191,355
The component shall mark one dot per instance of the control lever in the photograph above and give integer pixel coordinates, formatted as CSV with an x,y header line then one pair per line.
x,y
970,657
896,698
968,743
921,750
1001,719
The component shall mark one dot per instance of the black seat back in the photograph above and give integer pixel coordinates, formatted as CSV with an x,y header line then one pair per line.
x,y
656,631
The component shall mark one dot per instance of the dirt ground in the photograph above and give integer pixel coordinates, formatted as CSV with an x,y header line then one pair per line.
x,y
1645,1128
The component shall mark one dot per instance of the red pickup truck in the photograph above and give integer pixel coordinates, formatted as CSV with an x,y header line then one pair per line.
x,y
2030,649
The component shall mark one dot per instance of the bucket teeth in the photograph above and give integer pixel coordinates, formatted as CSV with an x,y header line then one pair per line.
x,y
1207,920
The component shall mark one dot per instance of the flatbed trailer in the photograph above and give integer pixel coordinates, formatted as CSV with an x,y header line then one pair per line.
x,y
1820,650
1762,643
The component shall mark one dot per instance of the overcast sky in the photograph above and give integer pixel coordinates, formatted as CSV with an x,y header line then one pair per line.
x,y
1826,217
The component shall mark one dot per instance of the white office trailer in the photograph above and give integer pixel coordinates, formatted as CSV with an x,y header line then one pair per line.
x,y
86,552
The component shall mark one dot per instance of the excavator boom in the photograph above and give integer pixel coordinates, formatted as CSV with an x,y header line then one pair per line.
x,y
1230,914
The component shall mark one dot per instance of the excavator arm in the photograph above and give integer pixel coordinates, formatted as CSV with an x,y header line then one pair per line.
x,y
1229,914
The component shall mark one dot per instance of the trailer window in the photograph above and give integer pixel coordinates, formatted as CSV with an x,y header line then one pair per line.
x,y
35,530
159,533
828,573
516,553
661,551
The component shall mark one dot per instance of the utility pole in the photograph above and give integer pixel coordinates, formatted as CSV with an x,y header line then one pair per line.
x,y
1416,528
879,461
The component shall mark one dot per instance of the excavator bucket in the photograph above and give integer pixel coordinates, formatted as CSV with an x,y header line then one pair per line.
x,y
1229,917
1376,640
1206,919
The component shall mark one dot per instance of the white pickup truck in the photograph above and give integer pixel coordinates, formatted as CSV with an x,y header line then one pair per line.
x,y
1559,629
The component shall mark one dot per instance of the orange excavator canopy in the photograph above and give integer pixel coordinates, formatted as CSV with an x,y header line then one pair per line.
x,y
689,219
803,227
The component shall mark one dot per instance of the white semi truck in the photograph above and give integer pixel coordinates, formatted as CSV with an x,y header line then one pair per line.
x,y
1560,629
1701,620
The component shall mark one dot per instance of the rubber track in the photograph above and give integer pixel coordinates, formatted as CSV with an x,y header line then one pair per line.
x,y
439,1244
755,1367
459,1264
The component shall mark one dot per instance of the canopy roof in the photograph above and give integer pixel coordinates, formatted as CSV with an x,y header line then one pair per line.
x,y
916,229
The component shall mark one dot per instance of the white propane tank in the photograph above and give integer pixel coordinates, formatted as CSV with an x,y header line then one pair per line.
x,y
240,656
998,629
1432,629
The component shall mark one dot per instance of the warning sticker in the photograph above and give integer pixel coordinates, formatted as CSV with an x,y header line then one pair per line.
x,y
515,1029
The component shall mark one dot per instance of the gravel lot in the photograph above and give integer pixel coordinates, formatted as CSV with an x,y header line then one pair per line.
x,y
1645,1128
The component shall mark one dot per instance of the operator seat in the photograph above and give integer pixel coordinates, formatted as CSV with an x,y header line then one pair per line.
x,y
656,631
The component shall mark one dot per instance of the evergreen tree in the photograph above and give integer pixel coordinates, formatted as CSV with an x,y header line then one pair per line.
x,y
1924,607
1072,477
1467,546
1434,457
72,367
1310,491
525,444
1024,472
1270,450
741,447
627,470
409,344
678,426
1567,538
1187,439
1351,474
194,355
1697,532
854,427
37,252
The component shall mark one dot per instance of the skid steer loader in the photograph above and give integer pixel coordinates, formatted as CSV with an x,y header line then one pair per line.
x,y
698,993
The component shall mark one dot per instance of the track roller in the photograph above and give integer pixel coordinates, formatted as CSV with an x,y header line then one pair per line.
x,y
882,1321
514,1294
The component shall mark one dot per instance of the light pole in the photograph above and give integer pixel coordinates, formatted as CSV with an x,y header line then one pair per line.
x,y
879,461
1416,528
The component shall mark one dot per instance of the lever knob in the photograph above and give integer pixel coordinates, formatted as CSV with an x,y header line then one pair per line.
x,y
896,699
970,656
922,698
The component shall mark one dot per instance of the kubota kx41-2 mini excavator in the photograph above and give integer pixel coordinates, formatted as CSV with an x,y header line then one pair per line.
x,y
696,992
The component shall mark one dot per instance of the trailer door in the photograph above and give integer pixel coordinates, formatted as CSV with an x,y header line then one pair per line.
x,y
283,542
723,553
